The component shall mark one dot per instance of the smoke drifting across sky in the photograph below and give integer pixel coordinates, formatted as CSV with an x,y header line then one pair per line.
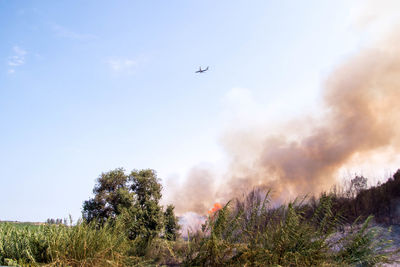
x,y
359,119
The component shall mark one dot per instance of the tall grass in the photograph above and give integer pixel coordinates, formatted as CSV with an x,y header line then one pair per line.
x,y
79,245
253,233
248,232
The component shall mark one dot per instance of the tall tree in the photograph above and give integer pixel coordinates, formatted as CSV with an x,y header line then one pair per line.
x,y
171,226
134,198
112,195
145,218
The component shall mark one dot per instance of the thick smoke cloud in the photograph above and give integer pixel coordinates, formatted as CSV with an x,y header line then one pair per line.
x,y
360,115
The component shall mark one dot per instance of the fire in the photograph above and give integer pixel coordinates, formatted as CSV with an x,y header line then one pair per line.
x,y
217,207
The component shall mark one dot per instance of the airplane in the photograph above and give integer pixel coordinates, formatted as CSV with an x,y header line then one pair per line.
x,y
201,71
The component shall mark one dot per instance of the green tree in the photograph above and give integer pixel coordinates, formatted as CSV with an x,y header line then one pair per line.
x,y
171,226
144,219
132,200
112,195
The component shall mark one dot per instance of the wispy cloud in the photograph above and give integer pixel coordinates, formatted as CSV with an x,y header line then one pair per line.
x,y
122,65
17,59
67,33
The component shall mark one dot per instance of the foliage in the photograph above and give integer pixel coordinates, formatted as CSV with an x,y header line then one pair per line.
x,y
245,232
253,233
382,200
112,195
55,221
133,200
146,215
171,226
362,246
84,244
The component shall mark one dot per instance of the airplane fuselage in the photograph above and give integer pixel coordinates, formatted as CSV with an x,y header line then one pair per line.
x,y
201,71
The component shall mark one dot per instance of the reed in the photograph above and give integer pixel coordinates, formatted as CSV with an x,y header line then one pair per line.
x,y
247,232
253,233
79,245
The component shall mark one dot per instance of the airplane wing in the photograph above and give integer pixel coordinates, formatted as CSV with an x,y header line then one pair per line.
x,y
200,70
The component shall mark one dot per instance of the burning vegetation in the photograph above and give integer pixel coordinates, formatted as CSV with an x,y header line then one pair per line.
x,y
249,231
358,120
124,224
217,207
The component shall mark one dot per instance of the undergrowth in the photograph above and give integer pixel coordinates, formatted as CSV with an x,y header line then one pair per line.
x,y
253,233
248,232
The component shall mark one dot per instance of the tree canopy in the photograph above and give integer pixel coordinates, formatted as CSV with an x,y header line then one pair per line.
x,y
112,194
134,199
171,226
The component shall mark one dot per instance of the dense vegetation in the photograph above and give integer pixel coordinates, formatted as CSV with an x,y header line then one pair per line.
x,y
124,225
250,232
382,200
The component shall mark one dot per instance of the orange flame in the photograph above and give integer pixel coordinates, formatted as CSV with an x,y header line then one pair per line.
x,y
217,207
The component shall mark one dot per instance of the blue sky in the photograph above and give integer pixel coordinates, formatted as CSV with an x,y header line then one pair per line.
x,y
90,86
